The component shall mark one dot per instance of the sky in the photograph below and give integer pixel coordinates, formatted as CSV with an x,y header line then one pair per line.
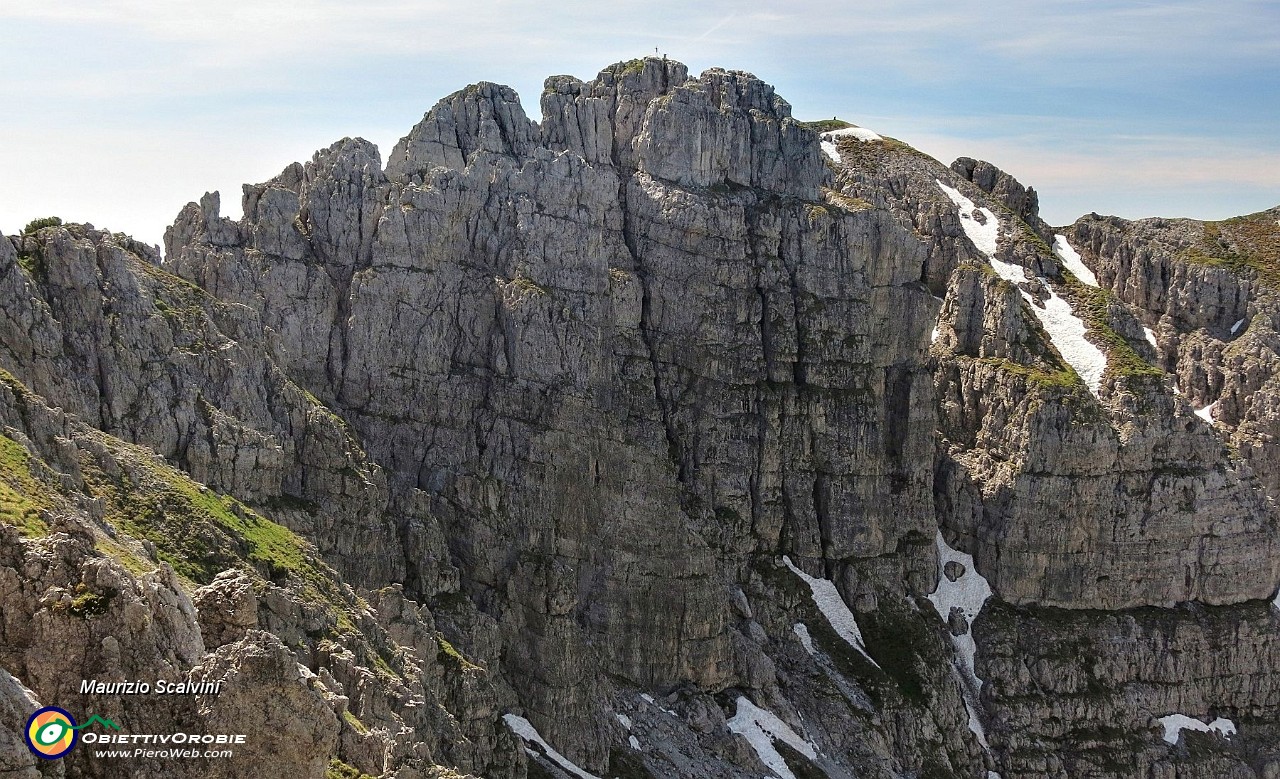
x,y
118,112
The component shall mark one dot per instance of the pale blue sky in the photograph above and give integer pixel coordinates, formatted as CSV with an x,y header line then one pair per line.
x,y
118,112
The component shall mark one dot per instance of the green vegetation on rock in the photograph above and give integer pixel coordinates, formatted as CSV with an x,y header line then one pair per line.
x,y
1246,245
1094,307
201,533
88,603
39,224
354,722
32,263
1047,378
630,66
906,645
22,495
340,770
449,655
826,125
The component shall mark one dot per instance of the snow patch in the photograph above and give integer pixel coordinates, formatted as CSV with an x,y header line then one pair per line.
x,y
525,730
1276,602
828,139
933,337
833,607
1066,330
1071,258
1174,724
1236,326
979,224
860,133
625,720
1206,413
1150,335
806,641
634,742
761,728
968,593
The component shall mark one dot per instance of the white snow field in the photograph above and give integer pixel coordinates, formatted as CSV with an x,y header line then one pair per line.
x,y
1206,413
1065,329
968,593
525,730
828,139
761,728
833,607
1174,724
1071,258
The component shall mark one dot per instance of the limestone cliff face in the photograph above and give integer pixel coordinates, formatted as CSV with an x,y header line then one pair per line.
x,y
633,442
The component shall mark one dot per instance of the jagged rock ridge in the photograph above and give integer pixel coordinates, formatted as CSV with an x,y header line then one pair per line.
x,y
549,404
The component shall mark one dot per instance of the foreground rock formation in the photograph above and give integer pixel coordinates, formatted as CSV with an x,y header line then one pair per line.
x,y
651,439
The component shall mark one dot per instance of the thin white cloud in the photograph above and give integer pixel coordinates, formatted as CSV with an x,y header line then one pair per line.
x,y
127,78
715,27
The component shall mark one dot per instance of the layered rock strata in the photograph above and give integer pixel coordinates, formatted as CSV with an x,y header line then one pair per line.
x,y
501,458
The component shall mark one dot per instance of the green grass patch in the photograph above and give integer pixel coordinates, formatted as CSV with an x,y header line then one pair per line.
x,y
340,770
629,67
22,495
87,603
354,722
848,662
133,562
528,286
841,200
1095,305
33,264
907,646
1245,245
201,533
320,405
826,125
449,655
1061,379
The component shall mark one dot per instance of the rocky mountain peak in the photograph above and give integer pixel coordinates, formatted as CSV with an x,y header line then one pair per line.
x,y
1022,201
665,437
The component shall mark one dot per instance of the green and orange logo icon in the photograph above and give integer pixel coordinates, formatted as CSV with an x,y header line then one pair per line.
x,y
52,732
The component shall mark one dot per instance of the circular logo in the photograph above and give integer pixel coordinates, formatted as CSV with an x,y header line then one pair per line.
x,y
51,733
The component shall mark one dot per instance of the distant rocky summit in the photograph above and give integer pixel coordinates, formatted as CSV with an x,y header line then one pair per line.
x,y
668,436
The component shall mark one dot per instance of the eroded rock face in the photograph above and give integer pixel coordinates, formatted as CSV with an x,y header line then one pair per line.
x,y
1206,290
1077,691
1114,500
630,365
145,356
565,407
17,704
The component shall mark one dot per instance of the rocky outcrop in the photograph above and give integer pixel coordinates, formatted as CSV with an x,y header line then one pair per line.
x,y
1079,693
1206,290
86,594
552,370
17,704
1022,201
1069,498
140,354
626,443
